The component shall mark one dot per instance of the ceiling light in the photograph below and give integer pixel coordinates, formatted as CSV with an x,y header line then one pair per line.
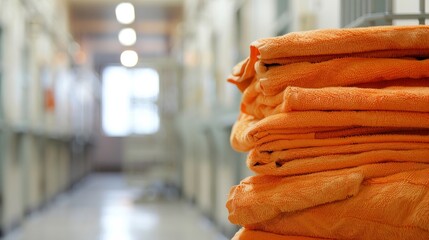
x,y
125,13
129,58
127,36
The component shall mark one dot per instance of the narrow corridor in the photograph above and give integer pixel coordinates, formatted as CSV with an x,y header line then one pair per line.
x,y
105,207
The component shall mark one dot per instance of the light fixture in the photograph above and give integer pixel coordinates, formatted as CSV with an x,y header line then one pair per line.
x,y
127,36
129,58
125,13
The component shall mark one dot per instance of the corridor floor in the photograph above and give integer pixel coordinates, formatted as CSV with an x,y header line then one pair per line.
x,y
103,207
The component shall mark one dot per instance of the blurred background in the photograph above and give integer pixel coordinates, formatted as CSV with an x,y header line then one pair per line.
x,y
115,116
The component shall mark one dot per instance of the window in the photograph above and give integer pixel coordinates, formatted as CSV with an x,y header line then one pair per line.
x,y
130,101
1,72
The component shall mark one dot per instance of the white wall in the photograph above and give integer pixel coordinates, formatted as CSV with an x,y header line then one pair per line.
x,y
222,20
13,43
39,29
328,13
45,44
315,14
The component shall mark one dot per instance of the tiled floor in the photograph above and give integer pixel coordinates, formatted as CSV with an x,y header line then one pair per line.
x,y
104,208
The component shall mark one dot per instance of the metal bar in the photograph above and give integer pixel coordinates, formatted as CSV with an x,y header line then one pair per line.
x,y
389,10
369,6
357,9
370,11
408,16
347,11
422,11
343,13
389,6
364,7
350,10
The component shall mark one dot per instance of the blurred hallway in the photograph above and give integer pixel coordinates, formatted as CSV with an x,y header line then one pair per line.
x,y
105,207
83,93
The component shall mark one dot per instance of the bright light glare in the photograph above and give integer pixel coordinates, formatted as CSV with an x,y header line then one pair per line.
x,y
129,58
116,101
125,13
147,85
127,36
121,221
129,101
146,119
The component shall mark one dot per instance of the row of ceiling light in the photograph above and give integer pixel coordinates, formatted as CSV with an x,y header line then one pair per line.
x,y
125,14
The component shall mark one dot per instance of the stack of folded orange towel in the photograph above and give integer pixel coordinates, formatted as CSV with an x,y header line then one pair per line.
x,y
337,125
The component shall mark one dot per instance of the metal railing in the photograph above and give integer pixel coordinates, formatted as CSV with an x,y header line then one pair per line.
x,y
360,13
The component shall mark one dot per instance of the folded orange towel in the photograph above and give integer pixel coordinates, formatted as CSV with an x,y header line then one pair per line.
x,y
281,145
261,198
286,167
392,207
392,41
337,72
245,234
403,82
326,44
339,98
257,156
249,132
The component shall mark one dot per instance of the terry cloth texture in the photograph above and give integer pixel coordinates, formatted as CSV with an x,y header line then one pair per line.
x,y
337,125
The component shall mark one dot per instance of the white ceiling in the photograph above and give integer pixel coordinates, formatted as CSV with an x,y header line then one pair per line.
x,y
95,28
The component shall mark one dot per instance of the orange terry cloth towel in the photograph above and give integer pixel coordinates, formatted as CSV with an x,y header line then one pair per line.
x,y
249,132
261,198
271,80
316,159
391,207
322,45
336,161
245,234
339,98
296,144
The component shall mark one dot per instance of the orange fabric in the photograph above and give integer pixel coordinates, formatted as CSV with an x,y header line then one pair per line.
x,y
335,132
248,132
337,124
360,131
336,43
261,198
392,84
245,234
391,207
326,44
339,98
336,72
49,99
285,167
280,145
258,157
